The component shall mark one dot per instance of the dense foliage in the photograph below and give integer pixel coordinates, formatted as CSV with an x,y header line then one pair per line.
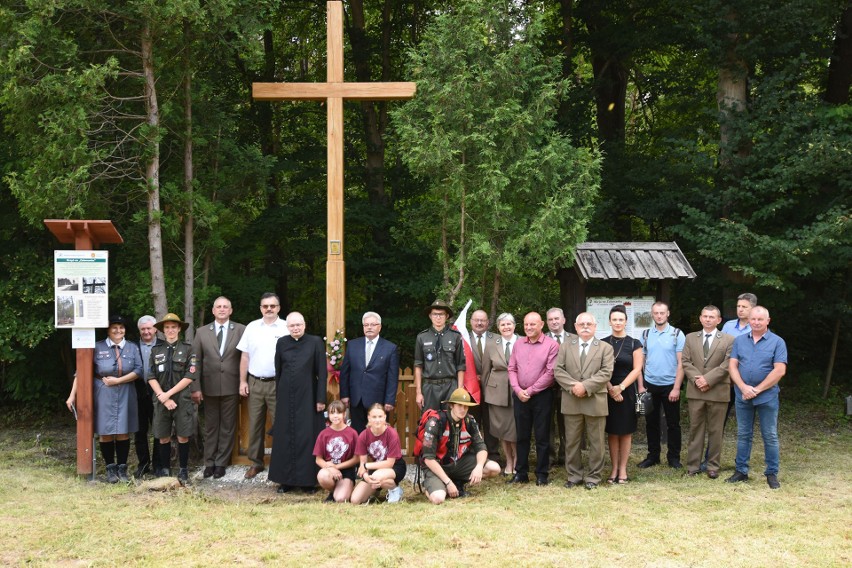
x,y
538,124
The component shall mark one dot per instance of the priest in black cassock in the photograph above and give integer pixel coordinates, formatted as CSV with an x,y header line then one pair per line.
x,y
301,375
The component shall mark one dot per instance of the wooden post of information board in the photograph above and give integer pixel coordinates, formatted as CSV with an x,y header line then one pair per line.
x,y
84,235
334,91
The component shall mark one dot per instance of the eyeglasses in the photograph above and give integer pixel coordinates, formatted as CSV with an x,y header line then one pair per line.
x,y
268,306
586,324
372,324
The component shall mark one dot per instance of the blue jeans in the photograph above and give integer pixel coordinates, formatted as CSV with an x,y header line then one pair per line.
x,y
768,415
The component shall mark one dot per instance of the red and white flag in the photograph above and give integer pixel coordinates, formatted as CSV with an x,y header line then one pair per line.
x,y
471,380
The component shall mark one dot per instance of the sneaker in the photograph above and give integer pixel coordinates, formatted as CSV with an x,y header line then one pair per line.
x,y
772,481
112,473
330,497
395,495
122,473
738,477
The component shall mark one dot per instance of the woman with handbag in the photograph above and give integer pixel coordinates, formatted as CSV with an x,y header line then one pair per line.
x,y
621,422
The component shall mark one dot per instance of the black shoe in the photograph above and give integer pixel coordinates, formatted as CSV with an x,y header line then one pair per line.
x,y
647,462
542,480
163,472
674,463
570,485
591,485
122,473
142,469
737,477
462,494
284,489
219,472
112,473
208,471
518,479
183,475
330,497
772,481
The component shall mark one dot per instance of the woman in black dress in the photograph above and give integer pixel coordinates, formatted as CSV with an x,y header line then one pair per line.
x,y
621,422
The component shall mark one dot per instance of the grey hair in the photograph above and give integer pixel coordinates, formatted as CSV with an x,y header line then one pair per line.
x,y
748,297
371,315
146,319
551,310
506,316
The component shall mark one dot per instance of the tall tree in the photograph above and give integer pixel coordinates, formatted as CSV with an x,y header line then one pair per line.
x,y
506,193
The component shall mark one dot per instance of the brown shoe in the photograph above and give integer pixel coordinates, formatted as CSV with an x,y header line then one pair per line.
x,y
253,471
712,474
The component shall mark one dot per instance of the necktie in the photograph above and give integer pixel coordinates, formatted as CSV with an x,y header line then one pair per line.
x,y
559,339
706,344
219,339
508,350
479,344
583,355
369,351
119,371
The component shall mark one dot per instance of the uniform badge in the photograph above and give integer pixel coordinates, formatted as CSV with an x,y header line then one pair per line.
x,y
428,356
161,368
192,369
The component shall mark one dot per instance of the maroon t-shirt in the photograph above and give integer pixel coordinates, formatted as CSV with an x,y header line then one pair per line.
x,y
336,446
379,447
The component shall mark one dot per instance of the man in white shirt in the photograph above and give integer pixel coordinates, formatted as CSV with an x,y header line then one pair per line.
x,y
257,375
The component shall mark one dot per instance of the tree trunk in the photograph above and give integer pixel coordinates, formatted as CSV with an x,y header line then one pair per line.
x,y
189,229
840,66
731,97
152,175
374,114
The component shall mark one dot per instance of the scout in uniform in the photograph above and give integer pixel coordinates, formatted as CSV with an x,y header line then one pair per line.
x,y
439,361
173,367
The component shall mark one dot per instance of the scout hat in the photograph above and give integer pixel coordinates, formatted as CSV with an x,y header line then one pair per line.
x,y
460,396
171,317
115,318
440,305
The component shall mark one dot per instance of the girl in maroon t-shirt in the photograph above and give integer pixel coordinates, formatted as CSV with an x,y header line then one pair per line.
x,y
381,464
335,453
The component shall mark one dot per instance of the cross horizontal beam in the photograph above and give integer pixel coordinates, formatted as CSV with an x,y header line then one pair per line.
x,y
323,91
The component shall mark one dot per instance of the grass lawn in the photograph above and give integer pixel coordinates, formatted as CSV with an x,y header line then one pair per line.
x,y
48,516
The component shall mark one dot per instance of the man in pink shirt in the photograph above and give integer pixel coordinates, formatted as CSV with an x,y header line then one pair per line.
x,y
531,375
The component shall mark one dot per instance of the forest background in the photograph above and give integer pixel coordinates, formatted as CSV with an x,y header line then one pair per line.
x,y
723,126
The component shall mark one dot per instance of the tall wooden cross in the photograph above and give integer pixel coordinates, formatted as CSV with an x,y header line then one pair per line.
x,y
333,91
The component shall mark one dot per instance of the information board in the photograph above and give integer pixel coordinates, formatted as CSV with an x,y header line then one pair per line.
x,y
638,314
81,288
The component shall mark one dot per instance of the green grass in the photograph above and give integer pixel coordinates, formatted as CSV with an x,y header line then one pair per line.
x,y
48,516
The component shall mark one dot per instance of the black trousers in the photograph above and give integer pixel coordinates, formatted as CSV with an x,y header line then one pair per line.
x,y
145,407
531,417
660,395
358,417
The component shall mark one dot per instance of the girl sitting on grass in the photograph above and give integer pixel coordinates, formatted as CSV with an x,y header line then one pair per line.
x,y
380,454
335,453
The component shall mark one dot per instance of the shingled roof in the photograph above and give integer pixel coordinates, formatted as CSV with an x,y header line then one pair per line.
x,y
632,261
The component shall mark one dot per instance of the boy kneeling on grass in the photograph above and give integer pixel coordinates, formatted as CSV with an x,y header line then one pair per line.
x,y
335,453
453,451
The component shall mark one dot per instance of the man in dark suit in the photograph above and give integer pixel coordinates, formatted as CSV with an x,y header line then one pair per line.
x,y
556,331
369,372
583,369
216,347
706,358
479,338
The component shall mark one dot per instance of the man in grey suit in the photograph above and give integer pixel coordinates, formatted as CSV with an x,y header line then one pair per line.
x,y
479,338
216,347
369,372
583,369
706,356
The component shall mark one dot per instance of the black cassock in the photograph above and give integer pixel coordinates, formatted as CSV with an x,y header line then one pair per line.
x,y
300,370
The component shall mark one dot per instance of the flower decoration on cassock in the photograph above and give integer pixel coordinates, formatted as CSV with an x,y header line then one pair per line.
x,y
334,350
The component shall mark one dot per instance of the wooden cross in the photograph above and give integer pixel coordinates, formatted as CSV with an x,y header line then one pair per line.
x,y
333,91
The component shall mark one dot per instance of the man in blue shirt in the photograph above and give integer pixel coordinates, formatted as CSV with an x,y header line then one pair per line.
x,y
740,326
663,378
758,362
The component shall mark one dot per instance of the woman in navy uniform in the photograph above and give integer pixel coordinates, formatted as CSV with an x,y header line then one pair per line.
x,y
117,363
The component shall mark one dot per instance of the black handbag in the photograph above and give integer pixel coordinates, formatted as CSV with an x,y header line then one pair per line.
x,y
644,403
